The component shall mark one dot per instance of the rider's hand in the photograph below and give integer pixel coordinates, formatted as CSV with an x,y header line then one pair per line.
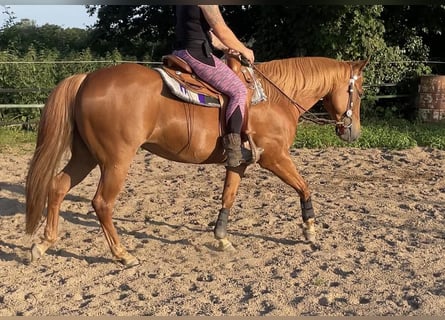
x,y
248,54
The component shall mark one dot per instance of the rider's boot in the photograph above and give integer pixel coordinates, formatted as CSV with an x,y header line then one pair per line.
x,y
232,145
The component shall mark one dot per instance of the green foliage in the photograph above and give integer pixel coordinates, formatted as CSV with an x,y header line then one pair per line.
x,y
391,134
21,36
352,32
13,137
138,32
10,17
418,29
16,75
431,134
29,79
34,59
356,32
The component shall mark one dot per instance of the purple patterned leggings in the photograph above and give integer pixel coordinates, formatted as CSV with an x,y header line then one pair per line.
x,y
222,78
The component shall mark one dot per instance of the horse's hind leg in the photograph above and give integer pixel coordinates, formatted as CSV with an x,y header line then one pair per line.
x,y
111,182
231,185
284,168
80,164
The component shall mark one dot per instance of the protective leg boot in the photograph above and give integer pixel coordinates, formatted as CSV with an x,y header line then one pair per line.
x,y
232,145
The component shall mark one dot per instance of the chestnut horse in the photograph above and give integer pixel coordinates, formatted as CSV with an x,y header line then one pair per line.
x,y
105,116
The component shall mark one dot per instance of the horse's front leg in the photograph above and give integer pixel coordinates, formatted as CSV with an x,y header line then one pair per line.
x,y
231,185
284,168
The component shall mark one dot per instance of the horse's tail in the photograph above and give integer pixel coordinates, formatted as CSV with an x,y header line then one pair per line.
x,y
54,136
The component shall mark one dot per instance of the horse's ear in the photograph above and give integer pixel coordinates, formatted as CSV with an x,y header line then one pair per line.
x,y
359,65
363,64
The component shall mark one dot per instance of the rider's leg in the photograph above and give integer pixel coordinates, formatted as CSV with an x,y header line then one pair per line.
x,y
225,80
232,140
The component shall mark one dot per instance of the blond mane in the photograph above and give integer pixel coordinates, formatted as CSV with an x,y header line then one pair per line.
x,y
304,76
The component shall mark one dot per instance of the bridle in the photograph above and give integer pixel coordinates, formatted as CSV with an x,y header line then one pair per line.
x,y
305,114
346,120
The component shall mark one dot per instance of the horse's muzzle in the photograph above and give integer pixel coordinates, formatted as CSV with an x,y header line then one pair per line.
x,y
347,133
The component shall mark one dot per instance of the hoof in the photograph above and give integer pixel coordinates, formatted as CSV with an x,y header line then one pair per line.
x,y
220,231
226,245
309,230
37,251
309,235
129,261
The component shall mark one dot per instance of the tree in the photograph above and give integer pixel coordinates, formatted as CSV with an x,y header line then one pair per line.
x,y
418,30
21,36
347,33
10,20
144,32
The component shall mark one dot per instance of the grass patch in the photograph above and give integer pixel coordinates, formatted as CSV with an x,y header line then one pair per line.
x,y
390,134
16,139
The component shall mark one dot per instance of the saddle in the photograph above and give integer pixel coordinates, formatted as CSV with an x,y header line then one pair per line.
x,y
181,71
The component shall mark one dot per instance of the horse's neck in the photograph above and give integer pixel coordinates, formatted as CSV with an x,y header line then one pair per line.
x,y
296,99
298,80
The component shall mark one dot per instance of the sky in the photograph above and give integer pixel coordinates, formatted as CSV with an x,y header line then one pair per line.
x,y
66,16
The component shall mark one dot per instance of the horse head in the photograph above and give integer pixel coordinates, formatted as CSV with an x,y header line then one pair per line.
x,y
343,102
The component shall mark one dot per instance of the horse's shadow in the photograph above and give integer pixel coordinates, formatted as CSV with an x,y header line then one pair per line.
x,y
209,228
15,188
12,256
283,241
89,259
9,206
89,220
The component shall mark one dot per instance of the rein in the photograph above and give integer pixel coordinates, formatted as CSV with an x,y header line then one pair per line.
x,y
307,115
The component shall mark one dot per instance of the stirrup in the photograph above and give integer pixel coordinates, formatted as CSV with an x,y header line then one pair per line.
x,y
252,149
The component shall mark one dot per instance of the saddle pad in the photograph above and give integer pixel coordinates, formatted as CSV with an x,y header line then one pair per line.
x,y
187,94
